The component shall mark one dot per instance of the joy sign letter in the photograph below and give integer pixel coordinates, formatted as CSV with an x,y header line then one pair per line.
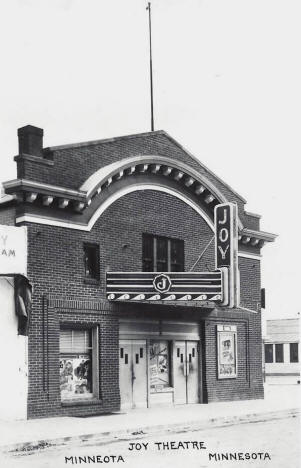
x,y
226,246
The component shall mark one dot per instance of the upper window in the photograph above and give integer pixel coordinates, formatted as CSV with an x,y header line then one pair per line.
x,y
279,352
91,260
268,353
162,253
294,357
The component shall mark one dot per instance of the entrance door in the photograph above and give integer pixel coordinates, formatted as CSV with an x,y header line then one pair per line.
x,y
185,365
132,373
192,379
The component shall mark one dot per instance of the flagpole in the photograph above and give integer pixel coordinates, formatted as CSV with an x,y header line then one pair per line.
x,y
151,64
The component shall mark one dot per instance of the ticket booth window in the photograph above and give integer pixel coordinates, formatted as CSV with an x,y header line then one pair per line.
x,y
78,361
159,365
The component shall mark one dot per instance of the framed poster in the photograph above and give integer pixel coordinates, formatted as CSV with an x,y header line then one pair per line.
x,y
227,351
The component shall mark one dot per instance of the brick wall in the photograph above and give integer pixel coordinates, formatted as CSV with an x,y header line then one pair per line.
x,y
56,254
248,384
44,391
8,215
74,164
56,268
249,269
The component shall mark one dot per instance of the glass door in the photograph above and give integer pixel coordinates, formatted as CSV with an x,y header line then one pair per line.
x,y
185,372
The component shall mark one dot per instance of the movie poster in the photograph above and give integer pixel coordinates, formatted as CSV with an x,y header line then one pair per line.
x,y
75,377
226,352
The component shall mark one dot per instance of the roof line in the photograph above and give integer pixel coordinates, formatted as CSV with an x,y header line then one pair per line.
x,y
104,140
286,318
252,214
135,135
205,167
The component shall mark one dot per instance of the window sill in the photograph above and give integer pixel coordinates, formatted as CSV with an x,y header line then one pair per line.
x,y
79,402
92,281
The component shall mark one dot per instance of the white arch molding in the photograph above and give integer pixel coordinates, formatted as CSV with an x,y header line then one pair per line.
x,y
149,186
107,172
102,174
124,191
110,200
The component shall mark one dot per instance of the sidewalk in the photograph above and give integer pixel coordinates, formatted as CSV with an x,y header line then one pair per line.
x,y
280,401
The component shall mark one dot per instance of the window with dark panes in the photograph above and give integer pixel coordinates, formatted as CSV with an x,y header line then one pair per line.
x,y
268,353
279,352
162,253
294,355
91,261
176,255
148,253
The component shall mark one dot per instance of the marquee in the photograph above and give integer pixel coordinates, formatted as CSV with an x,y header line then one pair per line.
x,y
219,286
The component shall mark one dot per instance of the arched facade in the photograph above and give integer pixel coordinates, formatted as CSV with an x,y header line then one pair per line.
x,y
134,206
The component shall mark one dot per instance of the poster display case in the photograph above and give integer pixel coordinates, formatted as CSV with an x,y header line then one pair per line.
x,y
227,351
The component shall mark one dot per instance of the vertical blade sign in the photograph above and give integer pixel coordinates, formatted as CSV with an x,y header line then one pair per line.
x,y
226,246
223,235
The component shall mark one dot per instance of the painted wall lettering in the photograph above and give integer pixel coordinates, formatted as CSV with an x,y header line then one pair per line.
x,y
13,250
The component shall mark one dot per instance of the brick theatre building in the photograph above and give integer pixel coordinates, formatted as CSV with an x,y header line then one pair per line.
x,y
138,299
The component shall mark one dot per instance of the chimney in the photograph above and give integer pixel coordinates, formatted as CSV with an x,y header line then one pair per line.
x,y
31,140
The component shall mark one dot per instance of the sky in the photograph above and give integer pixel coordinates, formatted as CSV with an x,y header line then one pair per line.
x,y
226,86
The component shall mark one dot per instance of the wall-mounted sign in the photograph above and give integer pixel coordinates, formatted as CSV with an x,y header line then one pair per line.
x,y
173,286
226,246
223,235
226,351
220,286
162,283
13,250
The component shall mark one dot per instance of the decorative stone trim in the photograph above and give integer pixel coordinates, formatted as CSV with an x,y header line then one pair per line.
x,y
154,166
32,192
101,305
255,238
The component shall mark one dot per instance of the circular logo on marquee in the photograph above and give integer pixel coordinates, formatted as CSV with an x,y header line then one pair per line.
x,y
162,283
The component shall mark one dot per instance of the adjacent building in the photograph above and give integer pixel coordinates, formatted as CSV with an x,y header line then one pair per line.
x,y
13,321
281,351
137,300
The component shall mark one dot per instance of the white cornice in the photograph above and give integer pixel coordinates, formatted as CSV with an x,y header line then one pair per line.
x,y
108,202
253,256
265,236
39,186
